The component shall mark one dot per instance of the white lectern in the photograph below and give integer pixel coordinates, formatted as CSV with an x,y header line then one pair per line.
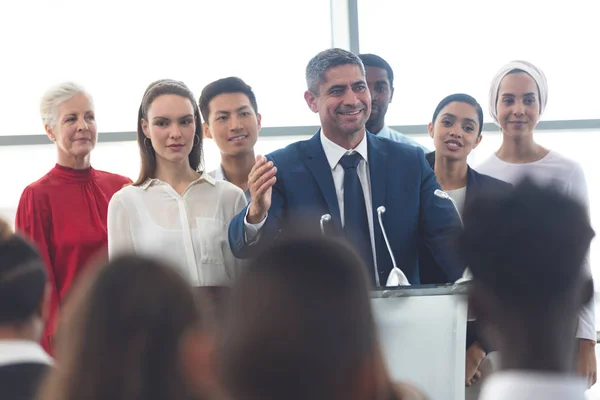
x,y
423,335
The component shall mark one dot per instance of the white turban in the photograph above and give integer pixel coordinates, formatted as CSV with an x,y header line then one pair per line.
x,y
537,75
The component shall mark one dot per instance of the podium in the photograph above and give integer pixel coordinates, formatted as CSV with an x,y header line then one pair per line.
x,y
422,331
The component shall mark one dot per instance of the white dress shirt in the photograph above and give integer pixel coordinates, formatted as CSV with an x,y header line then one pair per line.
x,y
190,231
334,154
22,352
529,385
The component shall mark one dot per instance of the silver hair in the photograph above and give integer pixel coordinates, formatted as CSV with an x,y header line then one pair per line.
x,y
330,58
57,95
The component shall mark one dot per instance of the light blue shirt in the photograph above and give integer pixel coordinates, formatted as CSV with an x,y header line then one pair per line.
x,y
388,133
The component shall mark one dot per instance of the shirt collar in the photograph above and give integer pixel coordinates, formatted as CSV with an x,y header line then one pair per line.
x,y
335,152
522,385
22,351
203,177
219,174
384,132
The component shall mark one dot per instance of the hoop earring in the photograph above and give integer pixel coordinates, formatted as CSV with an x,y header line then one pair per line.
x,y
146,142
196,144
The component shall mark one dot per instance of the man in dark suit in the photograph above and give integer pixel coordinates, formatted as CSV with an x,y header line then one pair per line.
x,y
24,301
349,174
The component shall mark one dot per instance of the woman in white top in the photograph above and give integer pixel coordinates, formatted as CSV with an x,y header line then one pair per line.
x,y
175,211
518,97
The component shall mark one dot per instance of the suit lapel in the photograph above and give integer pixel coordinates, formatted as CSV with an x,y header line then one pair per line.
x,y
378,173
318,165
472,183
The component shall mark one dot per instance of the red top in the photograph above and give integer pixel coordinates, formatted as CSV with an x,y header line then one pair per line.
x,y
64,213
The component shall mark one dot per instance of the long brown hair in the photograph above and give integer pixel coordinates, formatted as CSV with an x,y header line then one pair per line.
x,y
147,154
121,339
301,327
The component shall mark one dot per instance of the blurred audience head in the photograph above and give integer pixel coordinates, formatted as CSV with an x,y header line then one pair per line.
x,y
132,331
300,326
24,292
526,250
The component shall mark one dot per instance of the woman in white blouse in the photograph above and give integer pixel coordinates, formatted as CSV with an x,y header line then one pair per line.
x,y
175,211
518,97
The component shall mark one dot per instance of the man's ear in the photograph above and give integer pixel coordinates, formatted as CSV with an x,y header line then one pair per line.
x,y
311,100
258,121
206,131
391,93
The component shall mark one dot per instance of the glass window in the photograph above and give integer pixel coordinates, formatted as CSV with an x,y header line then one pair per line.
x,y
116,48
437,48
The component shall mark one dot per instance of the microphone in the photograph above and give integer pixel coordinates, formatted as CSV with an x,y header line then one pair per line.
x,y
443,195
396,277
467,275
324,218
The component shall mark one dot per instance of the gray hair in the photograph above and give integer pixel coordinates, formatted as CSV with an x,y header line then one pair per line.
x,y
55,96
330,58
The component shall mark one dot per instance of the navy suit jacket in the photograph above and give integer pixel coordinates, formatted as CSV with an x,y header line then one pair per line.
x,y
401,180
431,272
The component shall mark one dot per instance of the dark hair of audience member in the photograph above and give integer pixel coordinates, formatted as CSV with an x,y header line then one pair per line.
x,y
526,249
22,278
230,84
125,337
373,60
301,327
147,153
461,98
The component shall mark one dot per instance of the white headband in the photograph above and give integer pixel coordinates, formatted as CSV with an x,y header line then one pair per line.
x,y
537,75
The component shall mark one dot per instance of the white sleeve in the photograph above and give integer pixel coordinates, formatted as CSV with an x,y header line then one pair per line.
x,y
577,188
252,231
119,229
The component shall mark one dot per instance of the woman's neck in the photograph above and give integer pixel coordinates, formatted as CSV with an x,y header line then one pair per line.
x,y
450,174
177,175
74,162
520,150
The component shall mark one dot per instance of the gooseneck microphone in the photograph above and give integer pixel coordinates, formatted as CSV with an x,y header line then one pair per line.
x,y
396,277
325,218
443,195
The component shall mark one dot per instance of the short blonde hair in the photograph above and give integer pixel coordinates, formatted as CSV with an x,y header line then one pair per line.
x,y
55,96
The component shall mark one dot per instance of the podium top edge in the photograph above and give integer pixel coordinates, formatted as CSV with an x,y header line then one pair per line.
x,y
421,290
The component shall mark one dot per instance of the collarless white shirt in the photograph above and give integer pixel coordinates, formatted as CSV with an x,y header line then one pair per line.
x,y
22,352
530,385
190,231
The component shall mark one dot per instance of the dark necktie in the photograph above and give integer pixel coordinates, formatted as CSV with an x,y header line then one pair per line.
x,y
356,225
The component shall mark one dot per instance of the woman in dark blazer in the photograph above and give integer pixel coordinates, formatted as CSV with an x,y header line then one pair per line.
x,y
456,130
